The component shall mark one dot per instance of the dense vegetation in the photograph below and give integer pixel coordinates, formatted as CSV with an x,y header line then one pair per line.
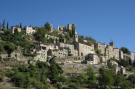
x,y
41,75
37,75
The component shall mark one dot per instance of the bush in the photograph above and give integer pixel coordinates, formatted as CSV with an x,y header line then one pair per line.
x,y
72,86
20,80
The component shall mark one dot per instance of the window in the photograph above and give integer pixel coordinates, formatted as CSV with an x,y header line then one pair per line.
x,y
81,54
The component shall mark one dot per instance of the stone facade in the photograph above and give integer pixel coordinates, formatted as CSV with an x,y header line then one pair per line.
x,y
70,26
120,69
71,49
61,29
62,53
92,59
117,68
16,29
116,53
102,59
109,52
126,56
76,38
29,30
84,50
101,47
41,53
121,55
132,56
41,56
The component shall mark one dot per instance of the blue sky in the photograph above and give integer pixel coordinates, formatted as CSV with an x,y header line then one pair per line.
x,y
104,20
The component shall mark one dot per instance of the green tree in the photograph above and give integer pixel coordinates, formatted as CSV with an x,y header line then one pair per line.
x,y
91,77
20,25
7,26
48,26
40,35
30,76
90,40
118,79
131,78
105,78
125,84
55,72
125,50
20,80
7,36
54,33
125,62
9,48
3,25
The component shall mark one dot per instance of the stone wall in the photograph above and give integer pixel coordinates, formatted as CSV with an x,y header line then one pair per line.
x,y
71,49
109,52
101,47
41,56
84,50
132,56
63,53
116,53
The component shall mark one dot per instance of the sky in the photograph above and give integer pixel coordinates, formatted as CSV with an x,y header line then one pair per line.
x,y
104,20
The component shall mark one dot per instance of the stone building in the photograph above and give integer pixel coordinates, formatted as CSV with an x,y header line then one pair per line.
x,y
59,50
117,68
84,50
126,56
121,55
112,52
70,47
120,69
132,56
42,52
61,29
52,28
92,59
71,27
109,52
16,29
100,47
116,53
76,38
41,56
29,30
67,28
61,53
102,59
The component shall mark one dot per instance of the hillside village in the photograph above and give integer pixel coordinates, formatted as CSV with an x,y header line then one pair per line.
x,y
72,52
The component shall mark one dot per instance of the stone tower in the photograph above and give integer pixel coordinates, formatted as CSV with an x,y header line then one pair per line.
x,y
76,37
